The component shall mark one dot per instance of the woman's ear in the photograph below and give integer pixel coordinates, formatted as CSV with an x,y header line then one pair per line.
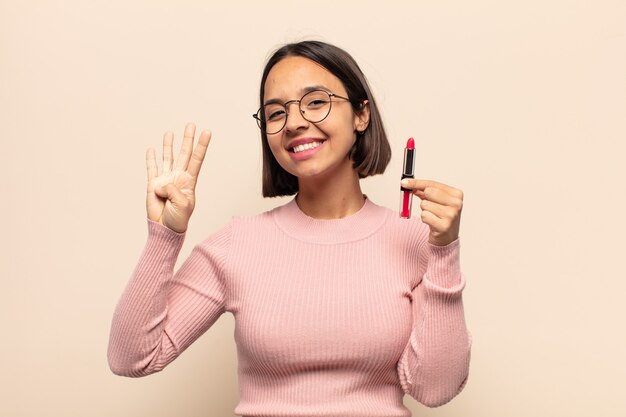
x,y
362,116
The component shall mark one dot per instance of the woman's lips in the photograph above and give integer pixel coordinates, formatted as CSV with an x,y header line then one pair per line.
x,y
299,156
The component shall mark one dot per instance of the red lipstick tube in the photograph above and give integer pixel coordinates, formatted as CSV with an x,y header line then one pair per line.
x,y
406,194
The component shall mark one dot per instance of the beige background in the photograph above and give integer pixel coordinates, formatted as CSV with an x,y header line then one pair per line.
x,y
522,105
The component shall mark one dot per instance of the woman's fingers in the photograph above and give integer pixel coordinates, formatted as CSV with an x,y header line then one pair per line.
x,y
435,191
189,159
151,165
442,211
441,208
187,146
198,153
436,223
439,196
419,184
168,154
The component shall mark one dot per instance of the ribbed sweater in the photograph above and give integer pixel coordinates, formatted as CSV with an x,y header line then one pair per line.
x,y
333,317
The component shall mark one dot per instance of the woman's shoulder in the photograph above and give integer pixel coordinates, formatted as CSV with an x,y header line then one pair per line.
x,y
259,217
395,221
411,232
255,222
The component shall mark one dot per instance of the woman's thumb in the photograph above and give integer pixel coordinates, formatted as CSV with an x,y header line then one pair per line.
x,y
161,190
172,193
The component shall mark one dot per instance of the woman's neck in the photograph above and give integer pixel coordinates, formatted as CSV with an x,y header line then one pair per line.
x,y
334,198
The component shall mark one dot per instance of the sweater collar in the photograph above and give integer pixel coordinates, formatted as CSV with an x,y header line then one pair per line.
x,y
294,222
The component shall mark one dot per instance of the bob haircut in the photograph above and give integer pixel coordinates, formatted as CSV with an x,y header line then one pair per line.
x,y
371,152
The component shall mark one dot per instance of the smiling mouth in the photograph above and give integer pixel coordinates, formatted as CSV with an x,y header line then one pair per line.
x,y
306,146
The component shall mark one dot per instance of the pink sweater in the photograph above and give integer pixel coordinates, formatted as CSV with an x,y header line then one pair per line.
x,y
336,317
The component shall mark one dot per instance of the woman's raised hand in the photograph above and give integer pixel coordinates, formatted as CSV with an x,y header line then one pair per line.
x,y
171,194
441,209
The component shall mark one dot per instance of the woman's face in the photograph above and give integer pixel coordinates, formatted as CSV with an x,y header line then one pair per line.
x,y
333,136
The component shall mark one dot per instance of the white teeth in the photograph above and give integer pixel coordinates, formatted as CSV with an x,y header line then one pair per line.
x,y
306,146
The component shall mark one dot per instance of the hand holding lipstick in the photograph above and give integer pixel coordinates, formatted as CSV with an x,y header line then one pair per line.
x,y
441,208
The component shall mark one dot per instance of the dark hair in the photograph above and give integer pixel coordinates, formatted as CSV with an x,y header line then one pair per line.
x,y
371,152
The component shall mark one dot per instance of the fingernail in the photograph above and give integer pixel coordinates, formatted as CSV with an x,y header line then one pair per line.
x,y
404,182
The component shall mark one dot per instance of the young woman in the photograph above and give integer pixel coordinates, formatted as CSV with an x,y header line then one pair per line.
x,y
341,307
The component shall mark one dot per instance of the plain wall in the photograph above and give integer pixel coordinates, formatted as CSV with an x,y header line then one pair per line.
x,y
521,105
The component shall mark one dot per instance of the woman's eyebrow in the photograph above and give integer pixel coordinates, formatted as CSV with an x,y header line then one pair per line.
x,y
302,91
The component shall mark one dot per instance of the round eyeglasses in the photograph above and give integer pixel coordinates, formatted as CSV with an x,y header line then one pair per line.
x,y
314,106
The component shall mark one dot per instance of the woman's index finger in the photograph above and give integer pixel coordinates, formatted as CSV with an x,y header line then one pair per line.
x,y
198,153
421,184
151,164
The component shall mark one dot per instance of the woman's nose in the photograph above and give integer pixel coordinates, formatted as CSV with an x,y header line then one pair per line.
x,y
295,118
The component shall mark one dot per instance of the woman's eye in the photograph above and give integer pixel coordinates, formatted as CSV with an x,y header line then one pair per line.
x,y
317,103
276,115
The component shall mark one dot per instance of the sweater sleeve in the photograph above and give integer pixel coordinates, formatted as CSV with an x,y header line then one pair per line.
x,y
160,313
434,366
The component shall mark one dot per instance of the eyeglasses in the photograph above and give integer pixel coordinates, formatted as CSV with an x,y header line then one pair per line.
x,y
314,106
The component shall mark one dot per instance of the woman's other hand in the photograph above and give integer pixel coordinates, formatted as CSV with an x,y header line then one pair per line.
x,y
441,209
171,194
